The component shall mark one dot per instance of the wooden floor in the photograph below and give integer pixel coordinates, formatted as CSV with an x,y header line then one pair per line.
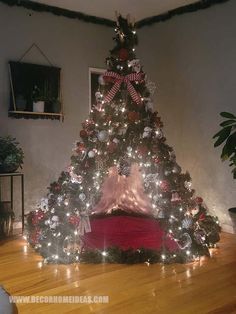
x,y
206,286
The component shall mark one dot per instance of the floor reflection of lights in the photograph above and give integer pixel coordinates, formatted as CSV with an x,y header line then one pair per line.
x,y
25,249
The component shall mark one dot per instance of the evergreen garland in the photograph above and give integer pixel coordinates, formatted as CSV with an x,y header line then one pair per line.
x,y
39,7
200,5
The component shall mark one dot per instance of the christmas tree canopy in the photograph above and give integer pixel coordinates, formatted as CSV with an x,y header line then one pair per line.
x,y
123,188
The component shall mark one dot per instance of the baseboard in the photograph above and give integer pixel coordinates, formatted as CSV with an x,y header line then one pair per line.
x,y
228,228
17,225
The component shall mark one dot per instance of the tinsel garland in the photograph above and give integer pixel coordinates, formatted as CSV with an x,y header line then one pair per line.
x,y
39,7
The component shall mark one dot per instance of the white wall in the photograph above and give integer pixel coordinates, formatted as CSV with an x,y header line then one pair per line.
x,y
192,58
70,44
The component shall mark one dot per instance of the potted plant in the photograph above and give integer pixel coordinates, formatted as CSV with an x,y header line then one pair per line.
x,y
53,105
11,155
227,135
38,99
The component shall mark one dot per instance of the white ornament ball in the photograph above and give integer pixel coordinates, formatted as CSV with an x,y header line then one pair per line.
x,y
155,198
195,211
103,136
146,134
129,149
91,154
82,196
55,218
167,172
147,129
115,140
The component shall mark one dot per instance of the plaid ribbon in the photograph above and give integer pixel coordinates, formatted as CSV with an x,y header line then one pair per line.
x,y
118,80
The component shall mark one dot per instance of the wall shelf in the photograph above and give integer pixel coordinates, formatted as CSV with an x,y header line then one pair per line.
x,y
35,90
35,115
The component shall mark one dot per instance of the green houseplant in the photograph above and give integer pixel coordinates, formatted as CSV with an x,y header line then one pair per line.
x,y
38,98
11,155
227,135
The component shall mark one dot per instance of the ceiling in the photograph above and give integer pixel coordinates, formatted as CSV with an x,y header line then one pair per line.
x,y
138,9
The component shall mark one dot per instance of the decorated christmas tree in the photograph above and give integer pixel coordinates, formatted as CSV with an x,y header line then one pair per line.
x,y
123,198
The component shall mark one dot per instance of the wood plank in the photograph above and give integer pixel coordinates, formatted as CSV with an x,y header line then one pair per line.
x,y
36,113
205,286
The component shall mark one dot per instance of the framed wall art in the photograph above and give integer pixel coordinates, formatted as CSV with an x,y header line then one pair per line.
x,y
94,74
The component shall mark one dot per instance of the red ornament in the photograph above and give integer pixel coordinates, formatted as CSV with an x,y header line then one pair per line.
x,y
34,236
123,54
202,217
37,216
83,134
133,116
80,147
198,200
157,160
74,220
111,147
143,150
165,186
88,124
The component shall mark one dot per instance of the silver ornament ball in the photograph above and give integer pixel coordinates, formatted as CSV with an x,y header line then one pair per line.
x,y
91,154
103,136
82,196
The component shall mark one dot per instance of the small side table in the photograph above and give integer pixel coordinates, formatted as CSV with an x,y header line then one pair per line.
x,y
12,176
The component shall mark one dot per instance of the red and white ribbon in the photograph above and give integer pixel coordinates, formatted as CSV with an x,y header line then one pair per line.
x,y
118,79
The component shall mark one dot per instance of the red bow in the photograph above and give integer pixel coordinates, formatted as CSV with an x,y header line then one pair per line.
x,y
118,80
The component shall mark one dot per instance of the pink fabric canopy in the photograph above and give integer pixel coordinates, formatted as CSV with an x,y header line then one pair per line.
x,y
125,231
125,193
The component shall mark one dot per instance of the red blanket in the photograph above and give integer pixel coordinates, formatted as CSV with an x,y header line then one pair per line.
x,y
127,232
